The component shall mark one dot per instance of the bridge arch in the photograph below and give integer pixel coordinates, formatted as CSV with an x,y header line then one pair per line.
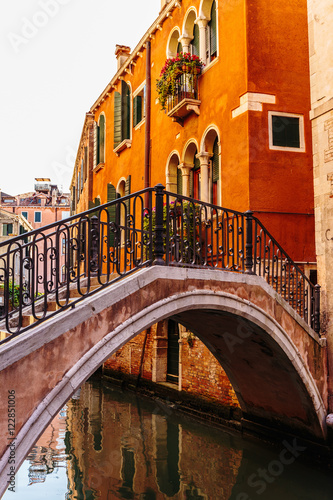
x,y
249,329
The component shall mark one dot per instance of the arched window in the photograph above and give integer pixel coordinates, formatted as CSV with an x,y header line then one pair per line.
x,y
215,172
195,178
99,141
179,181
101,145
122,114
174,46
195,48
211,41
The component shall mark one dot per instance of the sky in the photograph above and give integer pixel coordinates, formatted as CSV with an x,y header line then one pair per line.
x,y
57,56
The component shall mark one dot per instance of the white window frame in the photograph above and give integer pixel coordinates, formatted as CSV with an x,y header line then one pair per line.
x,y
137,92
37,222
301,148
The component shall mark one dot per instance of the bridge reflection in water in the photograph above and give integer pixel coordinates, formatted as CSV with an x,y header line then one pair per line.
x,y
115,444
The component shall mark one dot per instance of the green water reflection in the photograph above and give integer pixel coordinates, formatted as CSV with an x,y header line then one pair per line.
x,y
108,444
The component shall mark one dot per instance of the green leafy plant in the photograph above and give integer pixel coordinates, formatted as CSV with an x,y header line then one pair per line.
x,y
173,68
181,221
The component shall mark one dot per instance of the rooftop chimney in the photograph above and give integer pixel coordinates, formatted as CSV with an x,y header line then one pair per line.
x,y
122,54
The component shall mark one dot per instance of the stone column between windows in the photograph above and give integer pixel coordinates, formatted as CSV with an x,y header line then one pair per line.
x,y
204,171
186,169
185,41
202,24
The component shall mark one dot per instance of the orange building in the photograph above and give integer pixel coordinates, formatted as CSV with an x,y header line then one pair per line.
x,y
236,134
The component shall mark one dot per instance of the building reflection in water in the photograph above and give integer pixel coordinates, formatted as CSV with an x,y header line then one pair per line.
x,y
116,445
118,449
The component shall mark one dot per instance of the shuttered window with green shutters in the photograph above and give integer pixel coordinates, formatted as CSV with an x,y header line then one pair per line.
x,y
213,32
111,195
137,110
125,110
117,122
179,181
127,192
101,139
85,164
122,114
195,42
215,161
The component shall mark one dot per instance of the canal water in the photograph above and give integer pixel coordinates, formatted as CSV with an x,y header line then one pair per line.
x,y
108,444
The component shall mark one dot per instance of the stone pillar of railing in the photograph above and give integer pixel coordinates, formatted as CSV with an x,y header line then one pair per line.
x,y
186,169
159,243
94,244
248,264
204,171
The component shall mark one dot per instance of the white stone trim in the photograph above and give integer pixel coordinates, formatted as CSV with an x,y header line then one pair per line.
x,y
252,101
301,149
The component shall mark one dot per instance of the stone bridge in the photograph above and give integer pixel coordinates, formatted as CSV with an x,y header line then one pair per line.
x,y
274,360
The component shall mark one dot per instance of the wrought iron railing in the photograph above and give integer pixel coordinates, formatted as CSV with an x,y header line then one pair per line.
x,y
186,87
52,268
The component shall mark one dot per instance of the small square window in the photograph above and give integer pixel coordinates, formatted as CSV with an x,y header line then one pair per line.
x,y
38,216
286,131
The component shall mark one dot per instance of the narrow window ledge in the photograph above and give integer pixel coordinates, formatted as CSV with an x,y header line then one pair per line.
x,y
98,167
127,143
210,64
139,124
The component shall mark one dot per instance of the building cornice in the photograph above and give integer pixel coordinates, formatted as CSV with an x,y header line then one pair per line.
x,y
137,52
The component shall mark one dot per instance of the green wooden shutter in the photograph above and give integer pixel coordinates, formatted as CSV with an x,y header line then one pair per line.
x,y
111,195
125,110
137,110
127,192
179,181
191,183
117,120
101,138
85,164
195,42
215,161
196,162
213,31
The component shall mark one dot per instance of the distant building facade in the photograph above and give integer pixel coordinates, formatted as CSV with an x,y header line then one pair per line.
x,y
43,206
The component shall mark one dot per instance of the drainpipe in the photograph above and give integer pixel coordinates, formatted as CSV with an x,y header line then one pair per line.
x,y
147,119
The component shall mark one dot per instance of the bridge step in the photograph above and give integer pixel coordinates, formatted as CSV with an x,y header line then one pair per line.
x,y
27,321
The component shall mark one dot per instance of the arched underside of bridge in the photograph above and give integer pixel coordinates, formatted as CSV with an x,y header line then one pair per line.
x,y
274,361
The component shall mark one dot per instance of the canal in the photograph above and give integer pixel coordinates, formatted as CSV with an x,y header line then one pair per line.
x,y
110,444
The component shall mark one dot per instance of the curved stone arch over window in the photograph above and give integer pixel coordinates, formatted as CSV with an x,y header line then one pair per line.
x,y
121,187
173,44
211,149
173,174
190,37
190,169
207,21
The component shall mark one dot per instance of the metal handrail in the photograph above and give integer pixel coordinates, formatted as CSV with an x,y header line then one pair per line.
x,y
52,268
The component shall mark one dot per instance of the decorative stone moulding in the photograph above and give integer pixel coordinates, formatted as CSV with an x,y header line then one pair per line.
x,y
127,143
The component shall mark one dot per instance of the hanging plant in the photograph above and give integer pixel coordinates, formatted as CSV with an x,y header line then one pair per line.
x,y
173,68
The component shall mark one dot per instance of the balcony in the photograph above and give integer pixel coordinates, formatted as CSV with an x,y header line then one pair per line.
x,y
184,100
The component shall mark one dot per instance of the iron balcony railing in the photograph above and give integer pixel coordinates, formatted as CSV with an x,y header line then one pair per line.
x,y
52,268
186,87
